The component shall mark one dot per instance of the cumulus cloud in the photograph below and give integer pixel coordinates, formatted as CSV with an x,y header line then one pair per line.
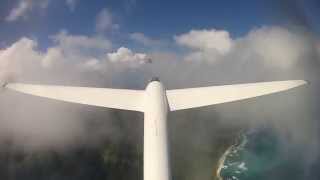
x,y
24,7
274,47
120,60
277,47
207,45
51,57
18,57
125,55
105,21
77,48
73,52
206,40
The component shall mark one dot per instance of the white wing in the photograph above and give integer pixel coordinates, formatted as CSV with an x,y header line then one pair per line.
x,y
198,97
111,98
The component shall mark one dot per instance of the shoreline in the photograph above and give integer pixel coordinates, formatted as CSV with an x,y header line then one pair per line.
x,y
221,162
225,154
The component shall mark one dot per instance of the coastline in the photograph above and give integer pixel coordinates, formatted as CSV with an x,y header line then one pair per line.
x,y
221,162
236,143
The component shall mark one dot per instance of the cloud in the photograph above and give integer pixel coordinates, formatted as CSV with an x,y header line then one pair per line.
x,y
206,40
209,45
91,53
72,4
19,11
18,57
275,47
81,45
24,7
105,21
73,52
125,55
92,65
51,57
144,40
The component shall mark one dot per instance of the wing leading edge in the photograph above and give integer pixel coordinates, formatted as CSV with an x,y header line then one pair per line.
x,y
179,99
133,100
103,97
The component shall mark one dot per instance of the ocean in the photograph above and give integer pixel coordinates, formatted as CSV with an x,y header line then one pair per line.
x,y
259,155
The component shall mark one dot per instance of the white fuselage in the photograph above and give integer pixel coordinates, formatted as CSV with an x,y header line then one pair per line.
x,y
156,154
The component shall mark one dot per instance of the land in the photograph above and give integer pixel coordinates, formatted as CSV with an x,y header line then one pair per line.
x,y
197,142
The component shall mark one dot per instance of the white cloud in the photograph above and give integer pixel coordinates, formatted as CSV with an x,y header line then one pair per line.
x,y
73,44
18,57
125,55
51,57
70,52
105,21
72,4
24,7
206,40
275,47
119,60
92,65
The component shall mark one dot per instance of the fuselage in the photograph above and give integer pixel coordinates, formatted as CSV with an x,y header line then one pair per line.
x,y
156,151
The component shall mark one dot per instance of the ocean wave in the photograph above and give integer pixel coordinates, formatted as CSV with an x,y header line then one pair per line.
x,y
259,154
232,152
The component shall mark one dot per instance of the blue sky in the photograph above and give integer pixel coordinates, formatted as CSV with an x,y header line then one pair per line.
x,y
157,19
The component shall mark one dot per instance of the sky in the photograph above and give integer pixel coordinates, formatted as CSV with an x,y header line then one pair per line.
x,y
156,19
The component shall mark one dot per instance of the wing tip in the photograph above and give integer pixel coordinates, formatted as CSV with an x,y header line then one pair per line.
x,y
4,85
296,83
302,82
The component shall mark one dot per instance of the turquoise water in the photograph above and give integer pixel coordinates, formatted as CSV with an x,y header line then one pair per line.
x,y
259,155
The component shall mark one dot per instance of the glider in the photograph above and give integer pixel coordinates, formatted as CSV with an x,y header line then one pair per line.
x,y
155,102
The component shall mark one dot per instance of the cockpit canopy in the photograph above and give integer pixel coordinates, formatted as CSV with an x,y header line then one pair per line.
x,y
154,79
